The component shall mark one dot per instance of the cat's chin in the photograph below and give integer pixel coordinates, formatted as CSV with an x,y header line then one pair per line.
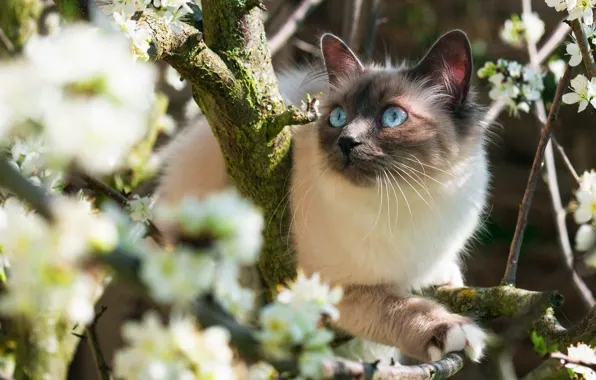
x,y
355,175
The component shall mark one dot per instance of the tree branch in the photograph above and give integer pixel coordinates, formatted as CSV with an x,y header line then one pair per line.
x,y
103,369
493,302
291,116
98,186
524,210
15,183
165,42
584,47
279,39
565,159
549,370
553,183
556,37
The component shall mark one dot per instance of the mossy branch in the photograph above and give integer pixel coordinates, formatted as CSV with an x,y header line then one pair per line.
x,y
18,21
291,116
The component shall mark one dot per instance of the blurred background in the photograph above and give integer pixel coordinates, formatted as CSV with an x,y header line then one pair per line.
x,y
404,30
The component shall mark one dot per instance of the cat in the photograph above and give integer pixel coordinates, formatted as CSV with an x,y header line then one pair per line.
x,y
388,186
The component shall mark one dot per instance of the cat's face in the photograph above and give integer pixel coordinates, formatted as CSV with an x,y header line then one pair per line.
x,y
397,124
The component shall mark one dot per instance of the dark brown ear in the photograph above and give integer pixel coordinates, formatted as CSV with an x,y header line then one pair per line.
x,y
449,61
339,59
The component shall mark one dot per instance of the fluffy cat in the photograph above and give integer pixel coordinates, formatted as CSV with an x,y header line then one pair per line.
x,y
388,186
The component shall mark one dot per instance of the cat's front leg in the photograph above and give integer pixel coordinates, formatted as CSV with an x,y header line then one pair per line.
x,y
419,327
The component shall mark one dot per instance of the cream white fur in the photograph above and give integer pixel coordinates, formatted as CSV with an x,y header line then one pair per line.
x,y
355,235
461,337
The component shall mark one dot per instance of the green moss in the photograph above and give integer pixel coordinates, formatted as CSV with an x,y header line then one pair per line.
x,y
18,20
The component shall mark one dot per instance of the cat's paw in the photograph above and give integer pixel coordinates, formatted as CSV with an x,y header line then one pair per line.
x,y
456,333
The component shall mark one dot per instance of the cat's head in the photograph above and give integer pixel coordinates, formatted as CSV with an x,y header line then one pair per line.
x,y
380,123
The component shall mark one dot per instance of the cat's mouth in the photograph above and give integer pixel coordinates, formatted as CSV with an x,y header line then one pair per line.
x,y
357,171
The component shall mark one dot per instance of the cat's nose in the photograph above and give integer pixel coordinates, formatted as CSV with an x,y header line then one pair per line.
x,y
347,144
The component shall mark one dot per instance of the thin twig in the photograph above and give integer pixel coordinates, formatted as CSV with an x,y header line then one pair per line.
x,y
16,184
549,369
565,159
101,187
553,42
305,46
352,21
103,370
553,186
524,209
6,42
371,33
278,40
584,47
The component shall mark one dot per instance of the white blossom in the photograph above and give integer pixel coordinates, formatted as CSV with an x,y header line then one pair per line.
x,y
586,207
237,300
177,351
294,320
512,31
574,52
576,8
585,238
167,124
52,22
581,9
516,85
174,80
177,277
261,371
81,83
311,363
529,28
234,223
306,291
584,354
44,258
534,26
559,5
584,92
140,209
557,67
139,34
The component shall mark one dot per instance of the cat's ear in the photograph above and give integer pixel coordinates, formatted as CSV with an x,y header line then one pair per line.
x,y
339,59
449,62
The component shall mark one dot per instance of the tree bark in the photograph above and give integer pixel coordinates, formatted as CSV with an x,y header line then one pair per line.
x,y
229,66
18,22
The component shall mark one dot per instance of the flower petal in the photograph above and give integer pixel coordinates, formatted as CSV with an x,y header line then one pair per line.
x,y
579,83
582,215
585,237
571,98
575,60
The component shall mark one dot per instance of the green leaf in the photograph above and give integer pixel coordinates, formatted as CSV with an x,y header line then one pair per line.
x,y
539,344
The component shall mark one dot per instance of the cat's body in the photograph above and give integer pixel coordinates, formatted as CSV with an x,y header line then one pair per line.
x,y
376,219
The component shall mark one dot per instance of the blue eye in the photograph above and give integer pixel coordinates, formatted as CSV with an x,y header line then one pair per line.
x,y
337,117
393,116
